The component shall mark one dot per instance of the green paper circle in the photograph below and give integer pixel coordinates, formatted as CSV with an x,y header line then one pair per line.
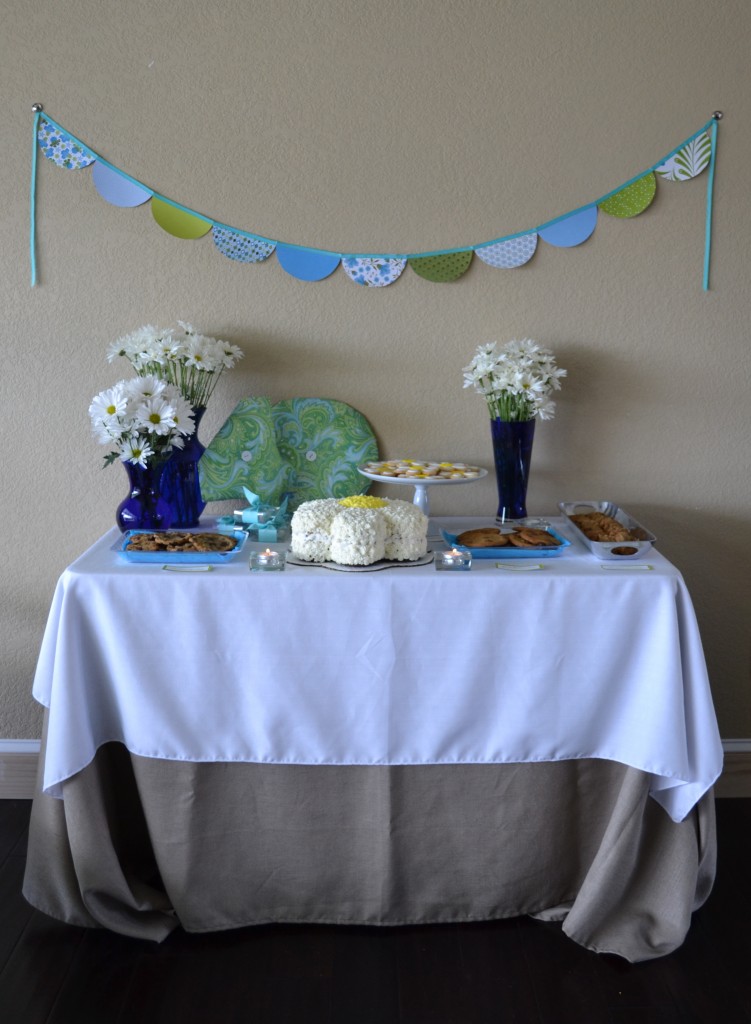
x,y
177,222
633,199
448,267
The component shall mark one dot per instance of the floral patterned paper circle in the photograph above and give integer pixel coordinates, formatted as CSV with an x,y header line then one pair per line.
x,y
241,247
373,271
61,149
514,252
689,161
633,199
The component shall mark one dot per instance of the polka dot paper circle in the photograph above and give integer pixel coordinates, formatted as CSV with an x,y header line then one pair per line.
x,y
61,149
447,267
514,252
240,247
633,199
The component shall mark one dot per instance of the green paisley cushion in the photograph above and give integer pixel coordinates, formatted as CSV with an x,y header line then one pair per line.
x,y
244,453
323,440
307,447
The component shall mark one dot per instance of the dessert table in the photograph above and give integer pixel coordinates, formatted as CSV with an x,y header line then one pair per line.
x,y
224,748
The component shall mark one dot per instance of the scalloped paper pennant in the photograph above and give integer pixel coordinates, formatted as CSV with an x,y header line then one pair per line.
x,y
61,148
514,252
373,271
307,264
571,230
447,267
689,161
633,199
178,222
241,247
116,188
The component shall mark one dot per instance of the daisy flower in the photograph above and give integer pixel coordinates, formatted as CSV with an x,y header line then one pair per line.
x,y
182,356
156,415
136,450
109,404
515,380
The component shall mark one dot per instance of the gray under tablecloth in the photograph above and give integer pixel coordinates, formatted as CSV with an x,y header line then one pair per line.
x,y
140,845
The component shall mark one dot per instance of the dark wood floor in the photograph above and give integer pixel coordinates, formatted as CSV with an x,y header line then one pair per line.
x,y
488,973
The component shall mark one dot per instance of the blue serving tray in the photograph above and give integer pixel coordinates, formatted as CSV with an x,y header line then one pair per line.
x,y
176,557
507,551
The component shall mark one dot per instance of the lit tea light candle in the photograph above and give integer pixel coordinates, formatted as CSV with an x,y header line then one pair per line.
x,y
267,561
454,559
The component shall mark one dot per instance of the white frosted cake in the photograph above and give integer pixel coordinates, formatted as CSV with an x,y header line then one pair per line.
x,y
359,530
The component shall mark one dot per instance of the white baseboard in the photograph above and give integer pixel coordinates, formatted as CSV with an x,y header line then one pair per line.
x,y
18,768
19,759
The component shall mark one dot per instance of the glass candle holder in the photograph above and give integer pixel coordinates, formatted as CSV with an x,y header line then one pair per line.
x,y
452,561
267,561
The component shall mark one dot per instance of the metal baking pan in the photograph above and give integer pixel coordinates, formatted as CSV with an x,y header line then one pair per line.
x,y
618,549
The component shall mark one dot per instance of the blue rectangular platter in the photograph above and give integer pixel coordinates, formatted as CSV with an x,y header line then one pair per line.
x,y
507,551
176,557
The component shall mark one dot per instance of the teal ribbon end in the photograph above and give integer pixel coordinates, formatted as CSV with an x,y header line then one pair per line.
x,y
710,192
32,201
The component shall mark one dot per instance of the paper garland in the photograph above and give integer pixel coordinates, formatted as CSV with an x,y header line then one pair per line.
x,y
376,270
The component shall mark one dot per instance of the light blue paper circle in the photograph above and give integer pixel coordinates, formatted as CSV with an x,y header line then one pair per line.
x,y
306,264
373,271
572,230
116,189
241,247
514,252
61,149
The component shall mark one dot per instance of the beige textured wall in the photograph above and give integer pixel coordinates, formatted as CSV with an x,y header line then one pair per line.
x,y
403,125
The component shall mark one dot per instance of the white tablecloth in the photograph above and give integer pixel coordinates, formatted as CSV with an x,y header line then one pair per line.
x,y
404,666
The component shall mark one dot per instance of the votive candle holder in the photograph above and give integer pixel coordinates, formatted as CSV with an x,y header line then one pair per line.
x,y
267,561
452,561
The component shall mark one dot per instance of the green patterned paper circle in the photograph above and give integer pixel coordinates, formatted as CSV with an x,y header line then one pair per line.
x,y
244,453
633,199
324,441
448,267
689,161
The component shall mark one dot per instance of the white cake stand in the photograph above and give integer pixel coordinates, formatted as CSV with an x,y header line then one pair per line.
x,y
421,486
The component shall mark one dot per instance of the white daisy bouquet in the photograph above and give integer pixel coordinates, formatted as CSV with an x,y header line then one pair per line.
x,y
516,379
182,356
140,419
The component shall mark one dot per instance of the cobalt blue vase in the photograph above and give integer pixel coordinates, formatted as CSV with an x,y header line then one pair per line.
x,y
181,484
145,507
512,449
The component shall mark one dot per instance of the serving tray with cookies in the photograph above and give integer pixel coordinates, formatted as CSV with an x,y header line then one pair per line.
x,y
606,529
207,547
508,542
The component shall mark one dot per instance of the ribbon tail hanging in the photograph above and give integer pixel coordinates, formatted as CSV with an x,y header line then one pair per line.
x,y
37,108
710,190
